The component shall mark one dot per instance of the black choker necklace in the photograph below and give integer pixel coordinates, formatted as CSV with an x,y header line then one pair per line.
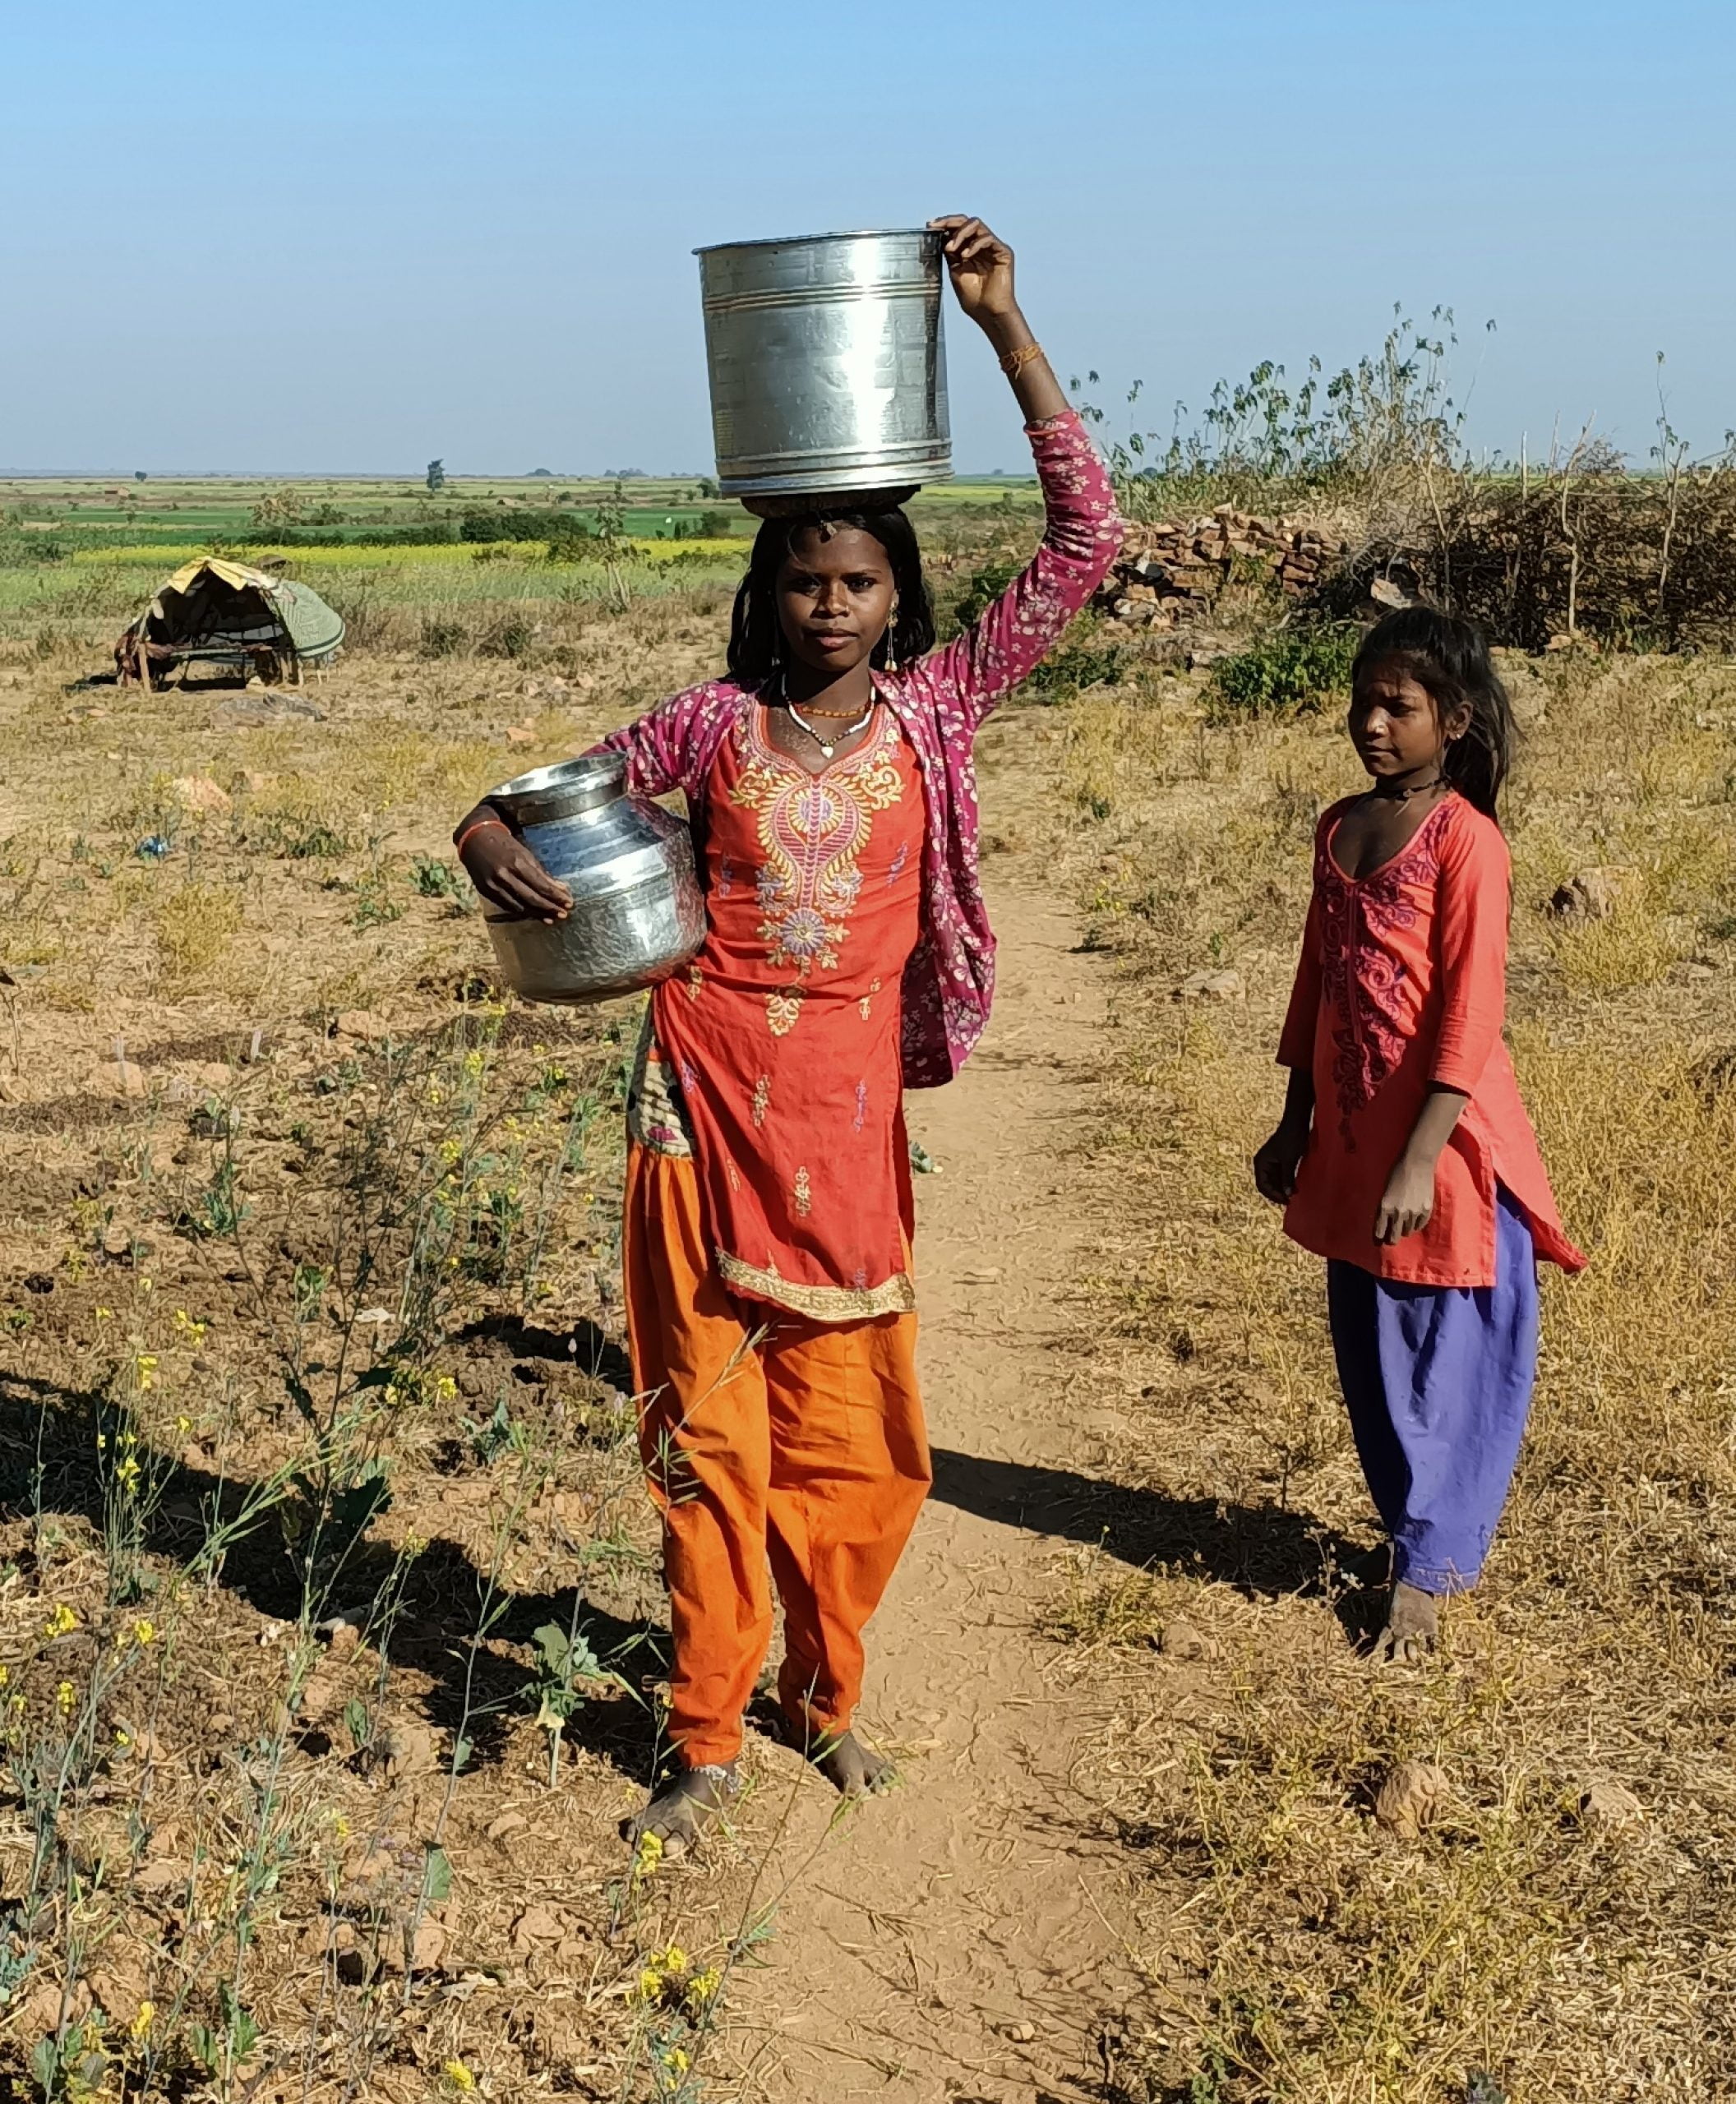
x,y
1404,796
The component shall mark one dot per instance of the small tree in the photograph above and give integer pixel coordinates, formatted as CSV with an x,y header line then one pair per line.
x,y
138,474
437,477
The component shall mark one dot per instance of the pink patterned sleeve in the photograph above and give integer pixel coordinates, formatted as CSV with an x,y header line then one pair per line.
x,y
1081,536
655,746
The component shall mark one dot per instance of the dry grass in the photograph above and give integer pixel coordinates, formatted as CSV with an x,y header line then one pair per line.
x,y
1316,1958
306,1283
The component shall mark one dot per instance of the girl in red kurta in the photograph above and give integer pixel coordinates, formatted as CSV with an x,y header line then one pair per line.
x,y
848,956
1405,1157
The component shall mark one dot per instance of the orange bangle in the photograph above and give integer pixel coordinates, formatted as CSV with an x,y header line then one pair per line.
x,y
459,845
1015,362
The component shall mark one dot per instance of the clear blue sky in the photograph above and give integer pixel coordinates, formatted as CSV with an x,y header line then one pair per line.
x,y
351,234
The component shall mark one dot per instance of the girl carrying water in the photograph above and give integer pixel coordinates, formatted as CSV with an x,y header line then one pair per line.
x,y
1404,1157
767,1217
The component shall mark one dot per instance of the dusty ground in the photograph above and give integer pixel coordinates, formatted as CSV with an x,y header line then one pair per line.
x,y
328,1615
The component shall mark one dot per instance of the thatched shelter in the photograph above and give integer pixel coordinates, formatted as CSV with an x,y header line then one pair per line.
x,y
229,615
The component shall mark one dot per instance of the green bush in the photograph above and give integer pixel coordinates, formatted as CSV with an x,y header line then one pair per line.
x,y
1291,669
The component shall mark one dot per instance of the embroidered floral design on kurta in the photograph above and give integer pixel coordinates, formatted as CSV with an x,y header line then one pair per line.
x,y
804,1195
762,1098
1360,976
782,1011
813,828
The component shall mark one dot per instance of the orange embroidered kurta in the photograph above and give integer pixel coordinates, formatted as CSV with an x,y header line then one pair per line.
x,y
781,1040
1402,984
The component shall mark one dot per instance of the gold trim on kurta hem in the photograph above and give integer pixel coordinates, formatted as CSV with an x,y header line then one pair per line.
x,y
819,1303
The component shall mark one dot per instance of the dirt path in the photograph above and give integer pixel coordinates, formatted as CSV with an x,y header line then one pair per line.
x,y
933,1926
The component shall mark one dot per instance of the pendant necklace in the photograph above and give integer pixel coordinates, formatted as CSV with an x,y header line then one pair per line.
x,y
828,745
828,749
1404,796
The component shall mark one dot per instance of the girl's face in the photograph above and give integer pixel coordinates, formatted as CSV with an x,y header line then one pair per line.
x,y
834,598
1394,724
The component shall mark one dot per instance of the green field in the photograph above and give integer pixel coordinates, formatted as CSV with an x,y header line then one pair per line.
x,y
200,512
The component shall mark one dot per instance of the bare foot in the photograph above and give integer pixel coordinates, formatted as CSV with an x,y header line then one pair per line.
x,y
679,1812
853,1770
1413,1624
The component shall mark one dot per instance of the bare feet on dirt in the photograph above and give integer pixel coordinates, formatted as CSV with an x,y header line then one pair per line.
x,y
1413,1626
679,1812
853,1770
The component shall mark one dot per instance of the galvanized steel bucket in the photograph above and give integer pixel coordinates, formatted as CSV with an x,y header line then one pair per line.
x,y
828,364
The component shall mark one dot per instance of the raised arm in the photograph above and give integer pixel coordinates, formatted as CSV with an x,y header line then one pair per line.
x,y
1081,534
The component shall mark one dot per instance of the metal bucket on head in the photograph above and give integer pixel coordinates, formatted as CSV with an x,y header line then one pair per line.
x,y
828,365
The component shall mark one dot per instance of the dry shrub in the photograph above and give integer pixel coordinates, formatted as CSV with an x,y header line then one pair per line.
x,y
1635,947
195,928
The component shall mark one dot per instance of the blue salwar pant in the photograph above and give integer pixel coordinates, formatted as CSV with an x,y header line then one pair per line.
x,y
1438,1381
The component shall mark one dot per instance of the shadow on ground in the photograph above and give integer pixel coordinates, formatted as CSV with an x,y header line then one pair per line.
x,y
48,1464
1262,1550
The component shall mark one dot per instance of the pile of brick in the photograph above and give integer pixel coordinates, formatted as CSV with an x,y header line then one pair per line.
x,y
1170,572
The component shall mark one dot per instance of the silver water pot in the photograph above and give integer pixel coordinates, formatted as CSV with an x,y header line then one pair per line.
x,y
638,912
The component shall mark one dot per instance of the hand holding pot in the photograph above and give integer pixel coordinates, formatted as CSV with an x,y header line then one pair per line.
x,y
981,266
505,872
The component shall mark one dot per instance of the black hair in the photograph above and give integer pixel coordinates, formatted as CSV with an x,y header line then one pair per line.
x,y
1450,658
758,646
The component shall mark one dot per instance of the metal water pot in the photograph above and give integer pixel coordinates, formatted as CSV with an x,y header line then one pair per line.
x,y
828,364
638,912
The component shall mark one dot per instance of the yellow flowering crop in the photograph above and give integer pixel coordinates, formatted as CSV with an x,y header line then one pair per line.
x,y
65,1695
140,2027
459,2076
703,1987
61,1622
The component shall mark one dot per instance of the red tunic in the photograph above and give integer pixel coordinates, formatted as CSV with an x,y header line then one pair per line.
x,y
1403,984
784,1034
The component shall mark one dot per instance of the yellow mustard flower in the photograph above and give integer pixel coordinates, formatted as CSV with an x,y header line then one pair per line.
x,y
459,2076
144,1630
140,2027
65,1695
61,1621
703,1987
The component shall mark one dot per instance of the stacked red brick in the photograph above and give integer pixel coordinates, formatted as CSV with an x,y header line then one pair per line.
x,y
1170,573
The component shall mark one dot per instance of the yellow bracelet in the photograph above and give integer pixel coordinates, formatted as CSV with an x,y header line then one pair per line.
x,y
1015,362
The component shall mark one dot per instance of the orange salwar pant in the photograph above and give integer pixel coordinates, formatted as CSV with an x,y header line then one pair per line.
x,y
765,1435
